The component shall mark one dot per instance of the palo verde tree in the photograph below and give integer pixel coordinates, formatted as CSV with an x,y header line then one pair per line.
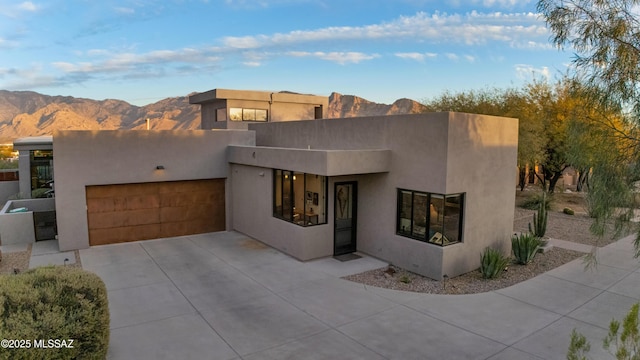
x,y
605,36
510,102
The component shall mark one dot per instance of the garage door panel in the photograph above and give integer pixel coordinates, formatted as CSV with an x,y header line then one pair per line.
x,y
100,205
191,227
189,198
149,201
123,218
183,213
154,210
124,234
190,186
123,190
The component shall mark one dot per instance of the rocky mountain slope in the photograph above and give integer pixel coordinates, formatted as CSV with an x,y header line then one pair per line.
x,y
27,113
341,106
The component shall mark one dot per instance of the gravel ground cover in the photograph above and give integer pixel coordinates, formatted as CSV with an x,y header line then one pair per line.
x,y
20,261
573,228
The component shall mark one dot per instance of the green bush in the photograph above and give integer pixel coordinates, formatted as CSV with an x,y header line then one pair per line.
x,y
533,202
39,193
568,211
525,247
492,263
55,303
623,344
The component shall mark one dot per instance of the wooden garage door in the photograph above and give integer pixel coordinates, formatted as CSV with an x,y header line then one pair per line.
x,y
131,212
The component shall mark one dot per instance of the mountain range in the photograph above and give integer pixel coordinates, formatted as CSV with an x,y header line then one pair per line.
x,y
27,113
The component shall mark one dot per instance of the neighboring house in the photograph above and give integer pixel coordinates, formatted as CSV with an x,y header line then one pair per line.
x,y
234,109
426,192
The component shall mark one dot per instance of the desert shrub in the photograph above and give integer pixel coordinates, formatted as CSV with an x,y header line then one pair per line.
x,y
533,202
568,211
525,247
55,303
492,263
40,193
622,341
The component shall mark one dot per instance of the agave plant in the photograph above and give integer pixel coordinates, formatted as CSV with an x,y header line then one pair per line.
x,y
492,263
525,247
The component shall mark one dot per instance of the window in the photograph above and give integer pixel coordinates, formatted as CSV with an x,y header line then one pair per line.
x,y
241,114
433,218
41,168
299,198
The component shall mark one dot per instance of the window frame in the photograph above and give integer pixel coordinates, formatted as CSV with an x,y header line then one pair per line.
x,y
285,211
248,114
431,226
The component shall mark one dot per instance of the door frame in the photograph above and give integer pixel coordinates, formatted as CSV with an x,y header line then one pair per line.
x,y
352,247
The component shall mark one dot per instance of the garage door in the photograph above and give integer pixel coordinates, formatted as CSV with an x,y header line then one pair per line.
x,y
131,212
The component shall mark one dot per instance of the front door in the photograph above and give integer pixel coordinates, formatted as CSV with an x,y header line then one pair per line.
x,y
345,210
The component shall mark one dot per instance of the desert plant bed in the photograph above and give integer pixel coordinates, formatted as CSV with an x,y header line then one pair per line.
x,y
469,283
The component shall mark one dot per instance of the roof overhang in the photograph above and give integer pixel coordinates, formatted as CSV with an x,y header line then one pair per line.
x,y
34,143
313,161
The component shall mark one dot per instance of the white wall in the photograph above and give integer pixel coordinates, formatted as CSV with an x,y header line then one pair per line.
x,y
84,158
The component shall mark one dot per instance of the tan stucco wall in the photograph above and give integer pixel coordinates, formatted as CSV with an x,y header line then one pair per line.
x,y
437,153
119,157
252,213
281,106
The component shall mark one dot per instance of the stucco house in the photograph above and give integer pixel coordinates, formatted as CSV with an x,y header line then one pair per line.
x,y
427,192
235,109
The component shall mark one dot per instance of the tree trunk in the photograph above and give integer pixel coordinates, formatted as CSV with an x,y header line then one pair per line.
x,y
583,179
553,180
522,177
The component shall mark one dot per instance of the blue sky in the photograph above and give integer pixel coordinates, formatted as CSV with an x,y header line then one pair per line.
x,y
142,51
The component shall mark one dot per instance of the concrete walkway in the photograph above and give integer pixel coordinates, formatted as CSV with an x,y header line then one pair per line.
x,y
226,296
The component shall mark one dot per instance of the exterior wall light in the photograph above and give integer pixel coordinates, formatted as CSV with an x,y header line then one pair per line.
x,y
160,167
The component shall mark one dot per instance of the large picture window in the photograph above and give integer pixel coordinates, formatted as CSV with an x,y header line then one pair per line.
x,y
300,198
433,218
242,114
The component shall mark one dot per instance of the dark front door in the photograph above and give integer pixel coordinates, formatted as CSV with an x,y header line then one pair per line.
x,y
345,210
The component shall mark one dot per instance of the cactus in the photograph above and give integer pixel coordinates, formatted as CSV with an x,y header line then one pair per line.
x,y
540,220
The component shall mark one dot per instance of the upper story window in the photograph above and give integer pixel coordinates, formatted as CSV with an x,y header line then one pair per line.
x,y
242,114
299,198
434,218
41,168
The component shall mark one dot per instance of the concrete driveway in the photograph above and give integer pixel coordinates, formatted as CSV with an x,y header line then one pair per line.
x,y
226,296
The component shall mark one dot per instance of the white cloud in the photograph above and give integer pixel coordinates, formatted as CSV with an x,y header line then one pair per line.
x,y
128,61
473,28
341,58
504,3
416,56
124,10
252,63
27,6
470,58
526,72
15,10
452,56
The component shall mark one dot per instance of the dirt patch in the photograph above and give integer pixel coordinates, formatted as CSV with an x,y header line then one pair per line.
x,y
15,261
20,261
